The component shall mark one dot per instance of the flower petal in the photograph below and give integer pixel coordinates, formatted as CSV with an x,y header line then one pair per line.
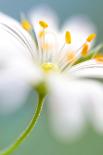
x,y
14,56
89,69
14,28
16,81
13,94
72,102
18,72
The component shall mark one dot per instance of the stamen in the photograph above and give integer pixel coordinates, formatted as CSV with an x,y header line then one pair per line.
x,y
70,56
85,50
78,52
60,53
29,28
46,46
91,37
43,24
41,34
68,37
26,25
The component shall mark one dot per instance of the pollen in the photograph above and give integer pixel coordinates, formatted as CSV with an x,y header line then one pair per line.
x,y
70,56
99,58
26,25
49,67
41,34
91,37
43,24
85,49
68,37
46,46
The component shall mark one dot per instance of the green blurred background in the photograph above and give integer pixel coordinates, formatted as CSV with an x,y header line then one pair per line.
x,y
41,141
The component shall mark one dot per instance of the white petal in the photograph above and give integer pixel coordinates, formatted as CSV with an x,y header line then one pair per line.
x,y
9,23
18,72
16,81
91,68
13,94
13,53
72,102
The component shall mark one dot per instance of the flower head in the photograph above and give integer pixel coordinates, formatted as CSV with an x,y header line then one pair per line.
x,y
50,57
38,52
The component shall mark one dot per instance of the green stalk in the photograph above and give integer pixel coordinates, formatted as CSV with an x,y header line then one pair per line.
x,y
27,131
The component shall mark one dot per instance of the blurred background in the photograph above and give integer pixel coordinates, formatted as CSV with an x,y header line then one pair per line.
x,y
42,141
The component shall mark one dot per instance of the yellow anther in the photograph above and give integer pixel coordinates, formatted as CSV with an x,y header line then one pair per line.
x,y
26,25
71,56
85,50
91,37
68,37
99,58
49,67
43,24
41,34
46,46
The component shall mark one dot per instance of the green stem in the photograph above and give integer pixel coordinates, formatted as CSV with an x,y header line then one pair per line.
x,y
27,131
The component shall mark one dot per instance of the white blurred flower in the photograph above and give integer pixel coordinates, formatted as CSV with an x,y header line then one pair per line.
x,y
43,53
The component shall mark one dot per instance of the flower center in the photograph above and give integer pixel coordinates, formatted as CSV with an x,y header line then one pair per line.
x,y
46,43
49,67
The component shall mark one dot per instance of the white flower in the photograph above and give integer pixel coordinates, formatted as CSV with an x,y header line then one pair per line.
x,y
43,53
